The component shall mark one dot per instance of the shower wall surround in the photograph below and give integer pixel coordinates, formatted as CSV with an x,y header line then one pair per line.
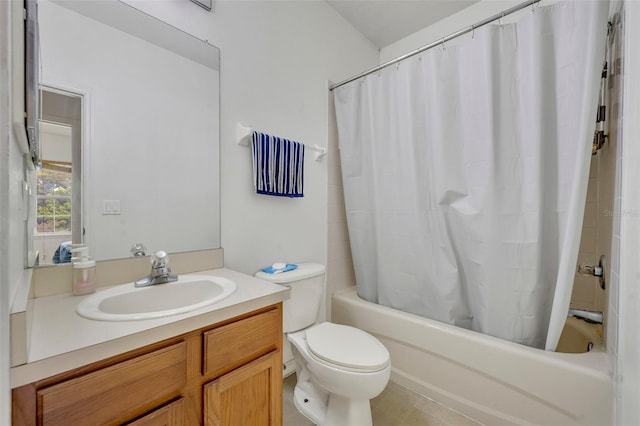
x,y
587,293
601,225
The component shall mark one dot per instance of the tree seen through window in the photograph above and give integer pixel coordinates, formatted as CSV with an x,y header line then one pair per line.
x,y
54,201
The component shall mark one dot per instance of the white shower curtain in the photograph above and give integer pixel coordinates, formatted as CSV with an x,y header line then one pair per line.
x,y
465,172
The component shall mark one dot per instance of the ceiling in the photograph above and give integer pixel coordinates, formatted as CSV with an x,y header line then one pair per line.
x,y
387,21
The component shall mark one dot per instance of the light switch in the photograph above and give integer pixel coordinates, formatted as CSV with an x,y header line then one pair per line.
x,y
110,207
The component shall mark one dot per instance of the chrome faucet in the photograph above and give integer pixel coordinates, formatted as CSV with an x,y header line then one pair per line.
x,y
589,316
160,272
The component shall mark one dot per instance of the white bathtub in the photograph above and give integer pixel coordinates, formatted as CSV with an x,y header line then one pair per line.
x,y
491,380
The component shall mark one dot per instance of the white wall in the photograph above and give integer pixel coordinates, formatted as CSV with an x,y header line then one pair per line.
x,y
5,146
610,168
13,204
276,60
465,18
56,142
628,377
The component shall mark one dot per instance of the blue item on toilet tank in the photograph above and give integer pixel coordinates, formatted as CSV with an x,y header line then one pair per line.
x,y
278,268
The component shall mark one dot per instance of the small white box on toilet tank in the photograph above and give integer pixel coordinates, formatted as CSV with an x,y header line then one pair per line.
x,y
306,283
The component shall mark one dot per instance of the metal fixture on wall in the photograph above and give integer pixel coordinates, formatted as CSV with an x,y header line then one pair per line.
x,y
598,270
599,135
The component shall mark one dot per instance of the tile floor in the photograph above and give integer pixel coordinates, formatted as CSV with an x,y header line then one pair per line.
x,y
396,406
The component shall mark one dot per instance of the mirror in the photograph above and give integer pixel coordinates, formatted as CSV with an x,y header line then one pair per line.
x,y
149,154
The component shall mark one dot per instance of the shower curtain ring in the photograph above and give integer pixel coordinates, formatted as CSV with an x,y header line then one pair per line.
x,y
443,49
473,31
500,20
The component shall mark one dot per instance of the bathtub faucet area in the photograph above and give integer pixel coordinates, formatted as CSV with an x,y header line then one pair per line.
x,y
591,316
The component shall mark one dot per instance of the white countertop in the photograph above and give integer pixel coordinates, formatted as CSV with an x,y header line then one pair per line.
x,y
61,340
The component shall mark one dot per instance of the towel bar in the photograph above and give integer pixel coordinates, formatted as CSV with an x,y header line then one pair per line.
x,y
243,137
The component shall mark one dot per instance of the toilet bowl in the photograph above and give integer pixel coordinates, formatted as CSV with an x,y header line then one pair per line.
x,y
339,368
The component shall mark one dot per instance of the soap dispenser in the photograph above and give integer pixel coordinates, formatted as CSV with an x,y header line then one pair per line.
x,y
84,272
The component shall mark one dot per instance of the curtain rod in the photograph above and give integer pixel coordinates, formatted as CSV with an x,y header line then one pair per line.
x,y
438,42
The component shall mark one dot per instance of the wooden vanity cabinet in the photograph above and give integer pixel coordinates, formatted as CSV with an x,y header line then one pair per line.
x,y
229,373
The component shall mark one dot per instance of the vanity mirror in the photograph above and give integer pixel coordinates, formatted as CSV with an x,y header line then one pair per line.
x,y
148,158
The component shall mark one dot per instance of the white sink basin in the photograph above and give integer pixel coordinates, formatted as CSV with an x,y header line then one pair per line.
x,y
126,302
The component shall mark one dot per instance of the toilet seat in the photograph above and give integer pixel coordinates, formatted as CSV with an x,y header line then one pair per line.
x,y
346,347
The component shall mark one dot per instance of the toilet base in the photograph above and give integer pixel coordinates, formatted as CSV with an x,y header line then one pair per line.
x,y
333,410
311,403
343,411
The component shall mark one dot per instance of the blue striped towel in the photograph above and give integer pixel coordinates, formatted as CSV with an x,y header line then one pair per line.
x,y
278,166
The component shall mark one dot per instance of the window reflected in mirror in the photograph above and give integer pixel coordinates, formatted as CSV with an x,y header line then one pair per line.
x,y
58,220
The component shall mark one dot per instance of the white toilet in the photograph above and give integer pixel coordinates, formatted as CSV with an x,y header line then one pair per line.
x,y
339,368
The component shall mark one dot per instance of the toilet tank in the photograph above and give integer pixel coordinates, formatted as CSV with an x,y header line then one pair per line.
x,y
306,283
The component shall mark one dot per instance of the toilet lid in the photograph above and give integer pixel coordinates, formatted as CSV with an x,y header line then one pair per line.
x,y
347,347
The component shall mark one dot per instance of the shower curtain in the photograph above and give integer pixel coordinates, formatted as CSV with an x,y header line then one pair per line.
x,y
465,172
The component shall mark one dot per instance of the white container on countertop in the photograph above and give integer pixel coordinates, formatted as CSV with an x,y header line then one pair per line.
x,y
84,271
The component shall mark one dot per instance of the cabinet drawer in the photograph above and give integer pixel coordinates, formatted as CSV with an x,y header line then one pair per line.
x,y
116,393
232,345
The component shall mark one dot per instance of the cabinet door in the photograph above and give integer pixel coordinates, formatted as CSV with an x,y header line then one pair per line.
x,y
250,395
170,415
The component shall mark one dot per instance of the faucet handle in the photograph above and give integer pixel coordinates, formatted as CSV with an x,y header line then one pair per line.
x,y
159,259
138,249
